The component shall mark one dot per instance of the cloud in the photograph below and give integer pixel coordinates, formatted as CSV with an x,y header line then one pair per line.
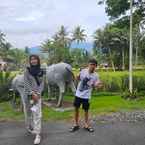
x,y
34,16
26,19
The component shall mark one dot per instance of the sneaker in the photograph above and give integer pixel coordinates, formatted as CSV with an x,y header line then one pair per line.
x,y
37,139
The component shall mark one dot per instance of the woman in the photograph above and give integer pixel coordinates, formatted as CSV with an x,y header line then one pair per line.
x,y
33,87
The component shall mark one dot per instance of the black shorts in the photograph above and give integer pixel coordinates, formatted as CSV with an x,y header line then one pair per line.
x,y
80,101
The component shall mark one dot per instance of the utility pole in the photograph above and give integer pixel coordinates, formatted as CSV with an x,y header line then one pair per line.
x,y
131,50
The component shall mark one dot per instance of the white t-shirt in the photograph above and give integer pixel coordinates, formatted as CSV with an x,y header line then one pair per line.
x,y
87,82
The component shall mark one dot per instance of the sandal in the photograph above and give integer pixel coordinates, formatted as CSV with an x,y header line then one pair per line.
x,y
30,129
74,128
89,129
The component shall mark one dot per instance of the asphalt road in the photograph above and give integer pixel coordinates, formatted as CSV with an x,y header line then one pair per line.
x,y
56,133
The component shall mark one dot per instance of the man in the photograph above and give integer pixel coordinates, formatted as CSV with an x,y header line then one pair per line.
x,y
88,80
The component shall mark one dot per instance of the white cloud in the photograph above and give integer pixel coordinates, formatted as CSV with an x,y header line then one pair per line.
x,y
33,16
28,22
25,19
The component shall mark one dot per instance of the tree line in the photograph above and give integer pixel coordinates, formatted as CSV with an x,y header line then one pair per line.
x,y
110,43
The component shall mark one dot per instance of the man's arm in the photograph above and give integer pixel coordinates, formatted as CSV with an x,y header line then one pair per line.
x,y
98,83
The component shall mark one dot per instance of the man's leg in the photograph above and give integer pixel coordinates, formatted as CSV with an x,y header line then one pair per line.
x,y
86,106
86,118
77,104
76,117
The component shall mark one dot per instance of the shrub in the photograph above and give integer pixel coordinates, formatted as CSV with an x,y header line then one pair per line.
x,y
5,82
119,81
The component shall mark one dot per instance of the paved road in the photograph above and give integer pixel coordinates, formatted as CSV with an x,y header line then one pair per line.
x,y
56,133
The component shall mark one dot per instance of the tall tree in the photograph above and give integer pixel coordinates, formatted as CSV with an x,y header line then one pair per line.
x,y
2,42
114,43
27,50
4,46
18,56
117,8
58,48
61,37
79,34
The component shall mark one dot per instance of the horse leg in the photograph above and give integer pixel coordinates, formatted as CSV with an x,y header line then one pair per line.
x,y
72,86
49,93
61,93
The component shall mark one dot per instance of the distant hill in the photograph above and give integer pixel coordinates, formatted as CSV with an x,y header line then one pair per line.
x,y
85,45
35,50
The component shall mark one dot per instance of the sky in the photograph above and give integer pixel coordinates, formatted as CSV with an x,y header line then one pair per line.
x,y
30,22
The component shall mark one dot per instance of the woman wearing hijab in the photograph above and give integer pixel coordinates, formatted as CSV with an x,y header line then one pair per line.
x,y
33,87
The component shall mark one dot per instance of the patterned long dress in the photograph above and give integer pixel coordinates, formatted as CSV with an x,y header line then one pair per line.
x,y
32,116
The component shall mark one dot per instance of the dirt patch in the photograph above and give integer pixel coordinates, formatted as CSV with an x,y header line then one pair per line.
x,y
66,106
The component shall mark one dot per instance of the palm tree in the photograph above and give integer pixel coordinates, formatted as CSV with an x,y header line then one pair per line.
x,y
46,47
7,46
2,38
18,56
6,49
137,36
61,37
61,43
2,42
103,40
4,46
98,39
27,50
79,35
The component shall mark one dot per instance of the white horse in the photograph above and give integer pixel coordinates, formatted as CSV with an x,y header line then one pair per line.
x,y
58,74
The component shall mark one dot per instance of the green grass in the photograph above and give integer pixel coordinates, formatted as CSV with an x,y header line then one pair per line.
x,y
7,113
101,103
114,103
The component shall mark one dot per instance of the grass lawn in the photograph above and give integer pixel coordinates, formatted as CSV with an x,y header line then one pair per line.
x,y
101,103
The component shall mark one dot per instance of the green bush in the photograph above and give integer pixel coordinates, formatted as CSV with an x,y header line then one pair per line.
x,y
119,81
134,95
5,82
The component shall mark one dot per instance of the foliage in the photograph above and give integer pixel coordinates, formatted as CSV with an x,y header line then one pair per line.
x,y
113,43
13,56
118,81
118,10
5,82
58,48
134,95
79,35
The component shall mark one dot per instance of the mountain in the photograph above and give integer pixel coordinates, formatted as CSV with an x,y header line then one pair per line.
x,y
84,45
35,50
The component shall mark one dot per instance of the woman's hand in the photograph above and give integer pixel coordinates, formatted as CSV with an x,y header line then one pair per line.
x,y
35,97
